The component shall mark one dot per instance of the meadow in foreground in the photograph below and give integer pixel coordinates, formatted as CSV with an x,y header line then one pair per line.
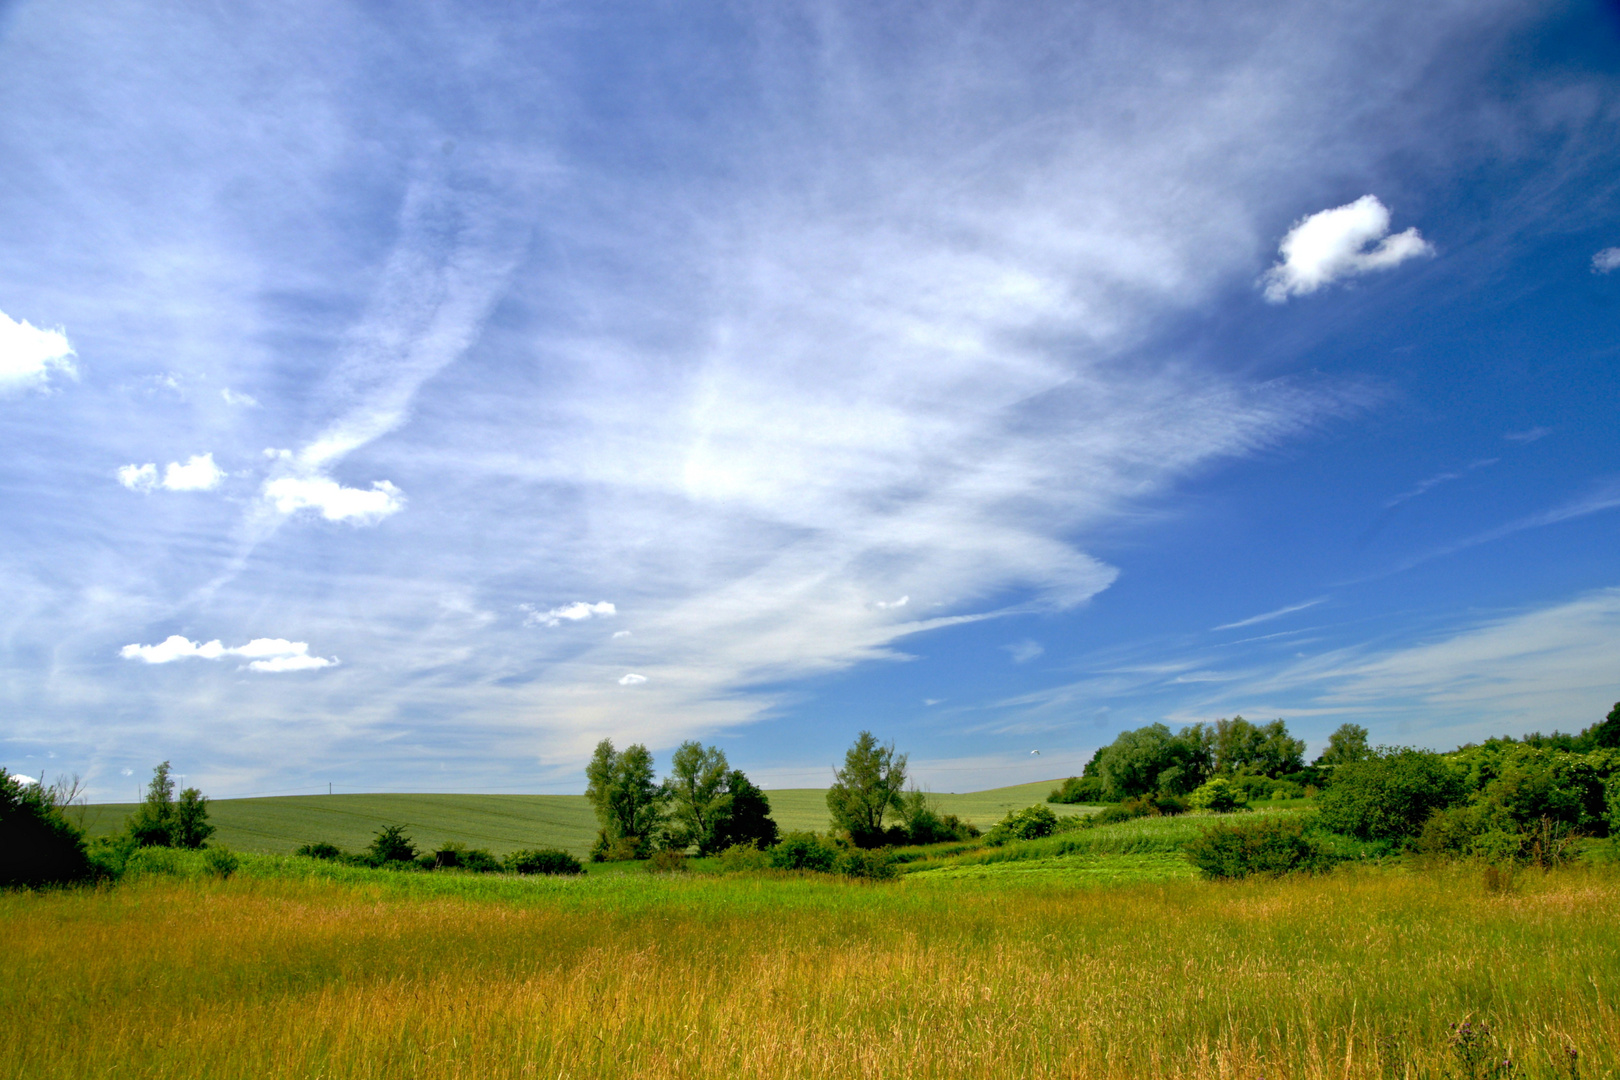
x,y
292,969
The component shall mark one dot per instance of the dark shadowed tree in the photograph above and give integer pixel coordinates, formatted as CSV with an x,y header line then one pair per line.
x,y
871,783
747,819
191,827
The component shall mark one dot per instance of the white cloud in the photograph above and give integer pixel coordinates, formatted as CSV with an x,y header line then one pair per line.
x,y
246,401
885,605
289,494
199,473
1023,652
621,633
265,654
24,778
1606,260
1529,435
138,477
28,354
1268,616
632,679
1334,244
575,612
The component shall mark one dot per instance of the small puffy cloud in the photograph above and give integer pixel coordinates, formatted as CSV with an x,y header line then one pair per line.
x,y
126,772
632,679
1334,244
199,473
621,633
335,502
263,654
1023,652
28,354
138,477
885,605
24,778
575,612
1606,260
245,401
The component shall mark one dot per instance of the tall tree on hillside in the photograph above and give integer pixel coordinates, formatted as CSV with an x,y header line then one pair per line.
x,y
191,828
627,800
871,783
1347,743
152,824
696,793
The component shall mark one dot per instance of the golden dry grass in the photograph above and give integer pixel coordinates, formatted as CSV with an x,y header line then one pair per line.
x,y
1356,975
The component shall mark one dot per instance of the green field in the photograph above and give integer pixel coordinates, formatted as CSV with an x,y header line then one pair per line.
x,y
501,823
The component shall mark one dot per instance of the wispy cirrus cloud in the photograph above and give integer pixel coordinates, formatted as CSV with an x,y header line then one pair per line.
x,y
579,611
1270,615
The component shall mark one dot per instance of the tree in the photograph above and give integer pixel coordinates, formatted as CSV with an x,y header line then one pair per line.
x,y
628,803
1151,759
1391,794
191,828
696,793
867,787
1607,734
392,844
152,824
38,845
748,819
1261,750
1347,743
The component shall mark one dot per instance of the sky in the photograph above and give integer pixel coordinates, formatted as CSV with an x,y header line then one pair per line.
x,y
404,397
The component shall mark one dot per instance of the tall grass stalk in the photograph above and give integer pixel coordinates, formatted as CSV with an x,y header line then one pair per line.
x,y
288,974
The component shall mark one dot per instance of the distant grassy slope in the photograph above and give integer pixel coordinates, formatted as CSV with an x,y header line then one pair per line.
x,y
500,823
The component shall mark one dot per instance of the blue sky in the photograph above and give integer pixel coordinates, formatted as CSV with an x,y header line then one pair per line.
x,y
405,398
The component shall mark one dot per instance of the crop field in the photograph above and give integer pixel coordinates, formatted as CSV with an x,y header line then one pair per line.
x,y
294,968
501,823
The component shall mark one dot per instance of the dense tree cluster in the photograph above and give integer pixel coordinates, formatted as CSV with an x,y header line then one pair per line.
x,y
702,803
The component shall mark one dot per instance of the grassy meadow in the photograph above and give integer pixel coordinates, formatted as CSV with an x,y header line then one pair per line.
x,y
500,823
294,968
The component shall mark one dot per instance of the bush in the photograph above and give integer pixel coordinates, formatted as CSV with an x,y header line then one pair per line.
x,y
876,865
804,851
1270,846
1030,823
1078,789
479,861
320,849
543,861
741,857
38,845
667,862
1390,795
220,862
622,849
391,845
1218,795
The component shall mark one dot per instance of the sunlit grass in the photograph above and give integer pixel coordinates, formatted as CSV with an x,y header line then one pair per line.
x,y
294,969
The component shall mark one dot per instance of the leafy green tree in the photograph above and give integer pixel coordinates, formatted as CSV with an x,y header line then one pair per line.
x,y
1391,794
1262,750
392,844
152,824
747,820
1607,734
1218,795
868,786
1151,759
38,844
1347,743
627,800
191,828
697,796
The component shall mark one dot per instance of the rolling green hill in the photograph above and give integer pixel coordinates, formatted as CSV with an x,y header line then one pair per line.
x,y
500,823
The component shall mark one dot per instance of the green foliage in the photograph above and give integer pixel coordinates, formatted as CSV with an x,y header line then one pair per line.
x,y
748,819
152,823
220,862
1151,759
1217,795
1269,846
742,857
865,789
696,792
1607,734
804,851
543,861
1078,789
391,845
623,849
38,844
1391,794
875,865
1030,823
926,825
1262,750
667,862
629,805
190,828
319,850
1347,743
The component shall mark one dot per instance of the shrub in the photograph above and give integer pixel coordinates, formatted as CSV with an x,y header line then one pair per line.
x,y
391,845
876,865
1270,846
804,851
543,861
744,856
220,862
190,827
1030,823
1078,789
667,862
1390,795
1218,795
480,861
38,845
622,849
319,849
